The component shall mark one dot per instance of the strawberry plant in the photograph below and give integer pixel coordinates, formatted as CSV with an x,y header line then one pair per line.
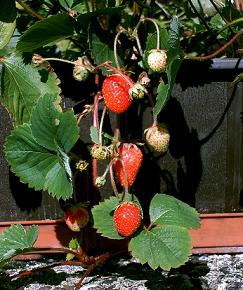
x,y
124,59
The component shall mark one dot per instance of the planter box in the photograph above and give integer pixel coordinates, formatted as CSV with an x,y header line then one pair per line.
x,y
219,233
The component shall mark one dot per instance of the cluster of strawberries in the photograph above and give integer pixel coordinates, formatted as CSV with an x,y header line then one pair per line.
x,y
118,91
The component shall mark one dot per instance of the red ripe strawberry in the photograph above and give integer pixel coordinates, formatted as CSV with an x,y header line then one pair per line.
x,y
76,217
132,158
127,218
115,91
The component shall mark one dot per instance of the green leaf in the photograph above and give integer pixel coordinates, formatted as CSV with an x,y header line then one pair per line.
x,y
17,239
94,135
6,32
48,30
167,210
162,97
22,86
86,18
174,35
151,42
38,156
103,217
101,46
51,127
165,247
7,11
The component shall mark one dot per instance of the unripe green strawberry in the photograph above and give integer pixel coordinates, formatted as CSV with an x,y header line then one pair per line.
x,y
76,217
100,152
80,73
127,218
158,138
157,60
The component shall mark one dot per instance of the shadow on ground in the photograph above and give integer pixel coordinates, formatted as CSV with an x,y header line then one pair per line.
x,y
186,277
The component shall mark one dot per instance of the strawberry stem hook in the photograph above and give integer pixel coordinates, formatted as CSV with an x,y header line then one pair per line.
x,y
135,32
121,30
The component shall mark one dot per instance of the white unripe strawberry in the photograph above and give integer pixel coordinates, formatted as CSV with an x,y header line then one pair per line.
x,y
157,60
158,138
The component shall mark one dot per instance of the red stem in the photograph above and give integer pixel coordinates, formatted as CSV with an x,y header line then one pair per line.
x,y
206,57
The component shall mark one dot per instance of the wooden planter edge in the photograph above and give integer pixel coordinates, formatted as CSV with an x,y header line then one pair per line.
x,y
218,233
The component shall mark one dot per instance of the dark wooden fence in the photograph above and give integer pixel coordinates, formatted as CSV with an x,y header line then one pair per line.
x,y
203,166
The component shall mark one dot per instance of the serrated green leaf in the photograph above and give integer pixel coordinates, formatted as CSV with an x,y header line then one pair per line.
x,y
17,239
165,247
22,86
51,127
38,155
35,165
103,217
48,30
6,32
94,135
174,35
167,210
161,98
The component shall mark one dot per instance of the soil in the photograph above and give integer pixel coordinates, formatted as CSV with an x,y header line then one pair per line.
x,y
204,272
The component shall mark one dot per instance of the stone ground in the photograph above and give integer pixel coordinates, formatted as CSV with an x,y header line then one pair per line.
x,y
204,272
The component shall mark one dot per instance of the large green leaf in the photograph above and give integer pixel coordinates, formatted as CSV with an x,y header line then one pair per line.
x,y
167,210
103,217
17,239
48,30
165,247
39,157
22,85
6,32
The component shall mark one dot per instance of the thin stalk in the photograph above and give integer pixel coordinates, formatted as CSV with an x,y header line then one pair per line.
x,y
58,59
206,57
30,10
231,24
117,71
202,19
142,20
122,30
101,125
113,184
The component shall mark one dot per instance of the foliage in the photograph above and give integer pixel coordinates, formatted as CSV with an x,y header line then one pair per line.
x,y
92,39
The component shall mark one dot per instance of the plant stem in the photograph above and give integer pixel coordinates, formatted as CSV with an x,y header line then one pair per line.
x,y
101,125
30,10
58,59
206,57
117,71
142,20
113,184
122,30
